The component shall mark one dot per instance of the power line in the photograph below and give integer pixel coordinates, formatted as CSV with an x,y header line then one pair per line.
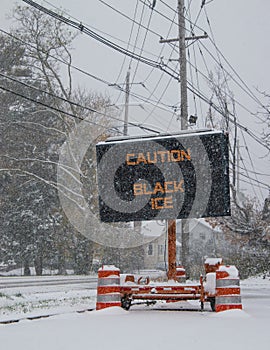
x,y
159,65
103,81
187,19
144,40
94,35
207,78
80,27
161,14
56,58
222,90
197,77
249,132
46,92
266,186
115,86
98,30
256,185
136,69
254,172
249,156
200,95
166,87
70,102
46,105
247,90
140,25
125,57
188,12
126,16
192,81
252,181
229,74
73,24
247,174
152,93
164,91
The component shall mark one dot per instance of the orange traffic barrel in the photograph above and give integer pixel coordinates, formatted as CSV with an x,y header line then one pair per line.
x,y
227,289
108,287
180,274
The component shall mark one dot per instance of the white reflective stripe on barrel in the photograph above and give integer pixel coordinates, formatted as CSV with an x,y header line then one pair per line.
x,y
228,299
226,282
108,298
108,281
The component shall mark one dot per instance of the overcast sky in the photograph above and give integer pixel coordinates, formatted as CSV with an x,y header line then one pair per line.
x,y
240,30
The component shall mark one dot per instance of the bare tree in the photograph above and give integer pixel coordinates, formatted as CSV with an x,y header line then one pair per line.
x,y
32,134
224,98
245,227
264,115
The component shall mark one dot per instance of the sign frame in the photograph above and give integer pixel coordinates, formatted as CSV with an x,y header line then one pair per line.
x,y
169,176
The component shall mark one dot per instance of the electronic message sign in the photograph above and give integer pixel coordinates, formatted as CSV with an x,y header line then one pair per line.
x,y
164,177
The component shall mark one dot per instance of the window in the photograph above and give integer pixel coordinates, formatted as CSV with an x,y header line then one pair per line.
x,y
202,235
160,249
150,249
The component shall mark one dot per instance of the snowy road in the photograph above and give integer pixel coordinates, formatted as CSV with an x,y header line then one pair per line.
x,y
256,297
73,282
148,328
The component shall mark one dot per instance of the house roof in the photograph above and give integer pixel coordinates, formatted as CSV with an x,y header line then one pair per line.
x,y
194,222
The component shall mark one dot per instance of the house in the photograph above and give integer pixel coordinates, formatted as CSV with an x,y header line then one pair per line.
x,y
203,238
156,253
203,241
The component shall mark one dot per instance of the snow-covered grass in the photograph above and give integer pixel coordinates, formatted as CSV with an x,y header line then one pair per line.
x,y
144,327
21,305
22,297
19,272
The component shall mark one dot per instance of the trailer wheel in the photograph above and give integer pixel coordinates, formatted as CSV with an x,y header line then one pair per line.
x,y
213,303
125,302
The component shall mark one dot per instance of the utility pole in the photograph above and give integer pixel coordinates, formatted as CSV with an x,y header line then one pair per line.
x,y
127,91
183,65
238,167
184,124
137,224
184,119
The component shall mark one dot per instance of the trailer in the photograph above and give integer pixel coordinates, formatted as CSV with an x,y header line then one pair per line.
x,y
220,287
152,292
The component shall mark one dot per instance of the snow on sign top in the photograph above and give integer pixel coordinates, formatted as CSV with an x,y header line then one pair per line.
x,y
164,177
108,268
120,139
213,261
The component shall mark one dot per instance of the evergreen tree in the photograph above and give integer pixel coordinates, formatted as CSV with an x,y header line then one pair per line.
x,y
34,229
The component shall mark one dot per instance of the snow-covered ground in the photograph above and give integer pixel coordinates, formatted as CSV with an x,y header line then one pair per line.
x,y
141,327
22,297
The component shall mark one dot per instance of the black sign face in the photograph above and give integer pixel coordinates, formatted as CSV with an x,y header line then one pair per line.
x,y
166,177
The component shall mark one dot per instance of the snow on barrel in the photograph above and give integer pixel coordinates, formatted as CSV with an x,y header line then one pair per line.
x,y
108,288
